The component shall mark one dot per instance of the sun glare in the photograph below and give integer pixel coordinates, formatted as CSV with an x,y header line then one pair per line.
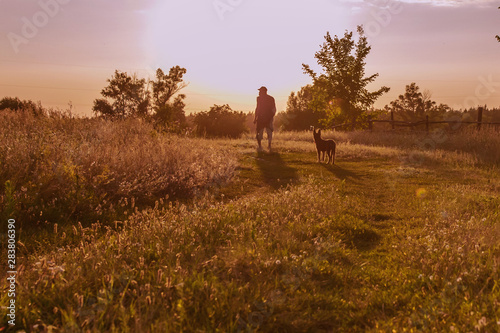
x,y
230,52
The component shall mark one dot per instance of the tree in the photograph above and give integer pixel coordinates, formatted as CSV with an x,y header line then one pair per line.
x,y
414,105
300,113
343,96
15,104
163,89
129,96
220,121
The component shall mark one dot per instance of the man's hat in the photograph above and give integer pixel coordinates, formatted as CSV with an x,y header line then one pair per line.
x,y
262,89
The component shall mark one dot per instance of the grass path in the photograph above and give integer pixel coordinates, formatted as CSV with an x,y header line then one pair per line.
x,y
396,202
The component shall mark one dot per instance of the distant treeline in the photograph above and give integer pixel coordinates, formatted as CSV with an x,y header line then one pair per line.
x,y
411,106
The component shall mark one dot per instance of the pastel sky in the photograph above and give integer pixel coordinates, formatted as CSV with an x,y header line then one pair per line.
x,y
62,51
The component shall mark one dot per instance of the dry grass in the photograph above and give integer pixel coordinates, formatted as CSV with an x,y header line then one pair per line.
x,y
58,169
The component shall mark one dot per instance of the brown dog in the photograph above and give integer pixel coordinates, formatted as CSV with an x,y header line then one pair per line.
x,y
324,146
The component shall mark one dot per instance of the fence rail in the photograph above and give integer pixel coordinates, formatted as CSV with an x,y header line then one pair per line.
x,y
425,122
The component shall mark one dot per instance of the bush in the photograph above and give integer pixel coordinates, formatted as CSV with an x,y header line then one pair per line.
x,y
220,121
15,104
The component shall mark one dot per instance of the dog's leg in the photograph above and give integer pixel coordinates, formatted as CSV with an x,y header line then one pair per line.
x,y
319,154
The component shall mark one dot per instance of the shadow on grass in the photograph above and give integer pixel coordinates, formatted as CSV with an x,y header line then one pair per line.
x,y
341,173
274,171
364,240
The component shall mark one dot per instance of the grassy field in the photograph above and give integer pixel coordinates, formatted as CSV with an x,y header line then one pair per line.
x,y
398,236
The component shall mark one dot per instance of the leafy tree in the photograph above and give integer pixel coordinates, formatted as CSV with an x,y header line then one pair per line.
x,y
342,85
128,94
103,108
414,105
300,113
172,114
220,121
163,89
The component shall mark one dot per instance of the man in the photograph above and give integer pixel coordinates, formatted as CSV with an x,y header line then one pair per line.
x,y
264,115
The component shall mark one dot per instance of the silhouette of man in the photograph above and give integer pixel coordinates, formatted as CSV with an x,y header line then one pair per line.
x,y
264,116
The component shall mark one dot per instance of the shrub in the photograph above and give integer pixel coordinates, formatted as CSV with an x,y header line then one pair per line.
x,y
15,104
220,121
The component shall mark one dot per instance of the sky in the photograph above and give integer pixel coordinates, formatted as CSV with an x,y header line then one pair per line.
x,y
61,52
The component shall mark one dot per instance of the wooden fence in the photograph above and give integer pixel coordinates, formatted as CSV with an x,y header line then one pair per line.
x,y
426,122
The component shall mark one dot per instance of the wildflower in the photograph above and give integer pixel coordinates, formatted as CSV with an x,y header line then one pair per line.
x,y
57,269
481,323
459,279
278,262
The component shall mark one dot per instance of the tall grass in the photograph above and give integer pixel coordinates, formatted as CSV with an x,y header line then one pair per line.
x,y
57,168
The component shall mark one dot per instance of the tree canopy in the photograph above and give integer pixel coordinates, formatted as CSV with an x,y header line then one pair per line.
x,y
164,88
415,105
129,96
342,86
300,113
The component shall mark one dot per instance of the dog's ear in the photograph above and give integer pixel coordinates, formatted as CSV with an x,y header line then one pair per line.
x,y
319,132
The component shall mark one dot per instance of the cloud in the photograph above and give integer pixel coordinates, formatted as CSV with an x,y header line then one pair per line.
x,y
438,3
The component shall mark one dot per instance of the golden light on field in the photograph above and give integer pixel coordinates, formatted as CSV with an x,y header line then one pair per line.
x,y
421,193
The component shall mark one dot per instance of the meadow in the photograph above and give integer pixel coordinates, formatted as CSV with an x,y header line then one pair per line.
x,y
124,228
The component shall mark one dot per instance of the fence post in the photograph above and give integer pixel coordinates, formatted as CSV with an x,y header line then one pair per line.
x,y
427,124
479,117
392,119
